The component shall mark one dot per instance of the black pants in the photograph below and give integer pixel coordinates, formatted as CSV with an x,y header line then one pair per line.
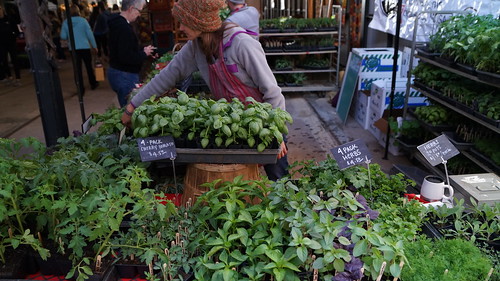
x,y
102,44
9,47
86,56
59,50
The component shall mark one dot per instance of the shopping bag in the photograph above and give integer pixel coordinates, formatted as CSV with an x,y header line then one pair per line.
x,y
99,71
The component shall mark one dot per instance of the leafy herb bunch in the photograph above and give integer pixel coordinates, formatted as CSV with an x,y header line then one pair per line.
x,y
220,123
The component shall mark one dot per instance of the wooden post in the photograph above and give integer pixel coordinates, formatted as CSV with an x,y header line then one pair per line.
x,y
310,9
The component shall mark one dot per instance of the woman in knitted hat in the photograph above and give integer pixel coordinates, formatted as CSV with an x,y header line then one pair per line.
x,y
228,58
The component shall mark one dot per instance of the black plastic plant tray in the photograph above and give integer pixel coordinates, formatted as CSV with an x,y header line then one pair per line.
x,y
484,159
426,53
487,119
430,127
467,69
226,156
488,77
458,142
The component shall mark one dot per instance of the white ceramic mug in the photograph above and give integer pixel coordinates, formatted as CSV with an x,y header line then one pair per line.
x,y
432,189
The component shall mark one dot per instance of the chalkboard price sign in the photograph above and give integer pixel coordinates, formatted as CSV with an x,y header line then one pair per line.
x,y
156,148
351,153
438,150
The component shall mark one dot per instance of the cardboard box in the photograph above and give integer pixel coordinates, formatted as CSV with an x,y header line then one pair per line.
x,y
377,62
365,84
381,124
381,96
372,118
361,109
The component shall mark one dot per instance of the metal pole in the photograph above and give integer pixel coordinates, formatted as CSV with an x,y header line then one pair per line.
x,y
394,71
47,83
77,71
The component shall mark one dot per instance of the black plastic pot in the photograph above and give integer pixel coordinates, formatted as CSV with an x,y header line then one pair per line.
x,y
15,266
54,265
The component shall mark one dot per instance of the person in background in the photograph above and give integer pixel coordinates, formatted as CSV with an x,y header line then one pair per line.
x,y
93,16
8,47
115,9
84,41
126,56
228,58
56,35
101,29
243,15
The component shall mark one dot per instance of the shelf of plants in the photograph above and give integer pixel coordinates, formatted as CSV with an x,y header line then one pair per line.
x,y
449,57
302,49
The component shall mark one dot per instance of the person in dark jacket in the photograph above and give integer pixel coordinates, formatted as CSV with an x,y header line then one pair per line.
x,y
126,56
101,30
8,47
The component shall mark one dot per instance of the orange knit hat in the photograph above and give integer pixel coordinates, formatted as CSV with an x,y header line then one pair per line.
x,y
201,15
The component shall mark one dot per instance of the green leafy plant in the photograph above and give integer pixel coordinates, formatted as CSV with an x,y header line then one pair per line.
x,y
283,63
433,114
298,78
454,259
17,172
489,147
218,122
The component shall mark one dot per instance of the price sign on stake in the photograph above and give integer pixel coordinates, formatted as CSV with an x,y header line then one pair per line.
x,y
351,153
438,150
156,148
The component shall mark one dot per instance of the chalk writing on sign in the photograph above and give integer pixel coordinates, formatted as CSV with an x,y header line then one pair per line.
x,y
351,153
156,148
438,150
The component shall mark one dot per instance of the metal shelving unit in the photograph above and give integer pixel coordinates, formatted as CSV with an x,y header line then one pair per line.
x,y
332,72
468,115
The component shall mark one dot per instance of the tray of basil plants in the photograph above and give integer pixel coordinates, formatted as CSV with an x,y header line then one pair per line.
x,y
209,131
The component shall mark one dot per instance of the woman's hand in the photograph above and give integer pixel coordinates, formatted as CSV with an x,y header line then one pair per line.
x,y
283,150
127,115
149,50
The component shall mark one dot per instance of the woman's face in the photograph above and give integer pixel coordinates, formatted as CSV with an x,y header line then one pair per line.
x,y
191,34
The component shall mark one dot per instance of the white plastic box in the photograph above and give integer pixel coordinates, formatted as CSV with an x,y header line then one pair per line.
x,y
361,109
377,64
381,95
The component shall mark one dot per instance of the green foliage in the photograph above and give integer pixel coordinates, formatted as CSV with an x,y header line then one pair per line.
x,y
283,63
220,123
470,39
428,260
17,170
109,122
433,114
489,147
401,220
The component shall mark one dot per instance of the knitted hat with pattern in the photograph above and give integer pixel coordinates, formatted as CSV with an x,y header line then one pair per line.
x,y
201,15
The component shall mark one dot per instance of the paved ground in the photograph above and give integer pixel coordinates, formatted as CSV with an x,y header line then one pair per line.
x,y
316,128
